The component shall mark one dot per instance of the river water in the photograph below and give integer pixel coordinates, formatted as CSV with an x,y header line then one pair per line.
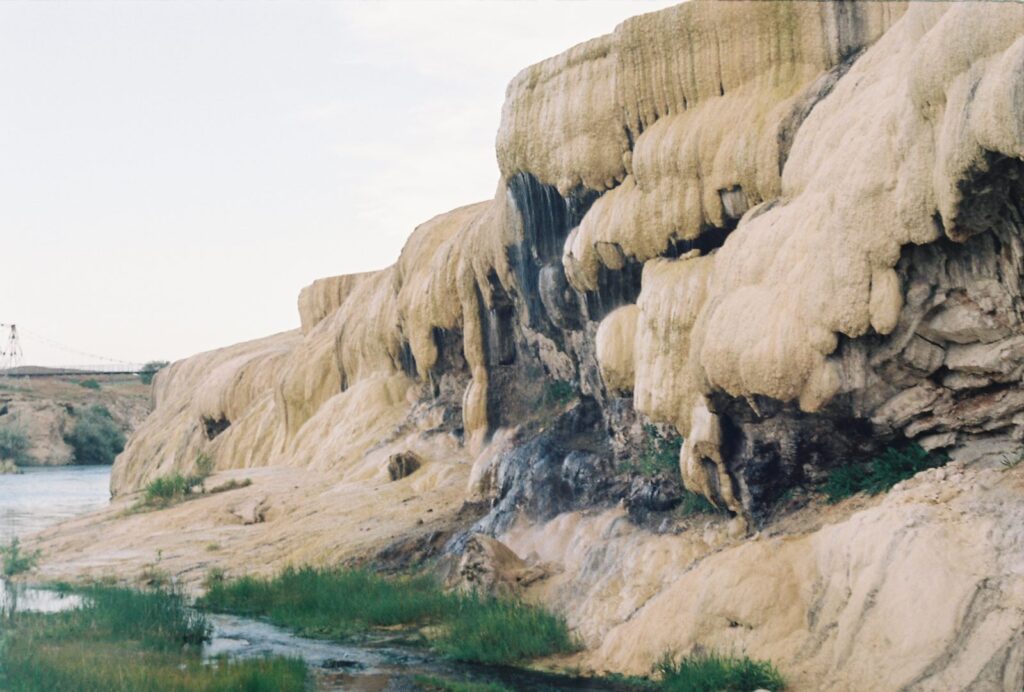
x,y
41,497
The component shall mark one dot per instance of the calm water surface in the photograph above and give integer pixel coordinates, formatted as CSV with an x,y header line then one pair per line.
x,y
42,496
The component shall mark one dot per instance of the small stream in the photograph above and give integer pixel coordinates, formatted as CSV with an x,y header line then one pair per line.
x,y
41,497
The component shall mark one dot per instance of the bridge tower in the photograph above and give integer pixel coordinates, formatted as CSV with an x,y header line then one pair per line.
x,y
10,352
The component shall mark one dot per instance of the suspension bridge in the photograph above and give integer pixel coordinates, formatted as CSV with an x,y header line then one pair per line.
x,y
13,363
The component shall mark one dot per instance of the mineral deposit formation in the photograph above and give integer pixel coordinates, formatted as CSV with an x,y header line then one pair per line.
x,y
791,234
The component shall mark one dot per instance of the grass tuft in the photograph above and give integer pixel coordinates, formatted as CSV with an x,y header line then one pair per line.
x,y
167,489
695,503
15,560
175,487
712,672
883,472
488,630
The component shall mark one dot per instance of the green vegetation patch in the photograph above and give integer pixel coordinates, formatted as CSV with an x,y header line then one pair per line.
x,y
340,602
488,630
332,603
660,454
433,683
128,640
558,393
695,503
15,561
96,438
892,466
89,384
150,369
175,487
14,443
711,672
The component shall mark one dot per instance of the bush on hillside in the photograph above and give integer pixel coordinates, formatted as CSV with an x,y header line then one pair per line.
x,y
95,439
150,369
14,443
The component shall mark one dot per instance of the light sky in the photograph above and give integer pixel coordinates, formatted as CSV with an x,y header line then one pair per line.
x,y
172,173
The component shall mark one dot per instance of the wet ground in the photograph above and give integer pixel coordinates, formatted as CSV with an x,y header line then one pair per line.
x,y
41,497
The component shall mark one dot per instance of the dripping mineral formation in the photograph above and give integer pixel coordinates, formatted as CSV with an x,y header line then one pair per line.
x,y
789,233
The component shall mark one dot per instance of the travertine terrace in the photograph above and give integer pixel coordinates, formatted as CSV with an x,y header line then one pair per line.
x,y
790,233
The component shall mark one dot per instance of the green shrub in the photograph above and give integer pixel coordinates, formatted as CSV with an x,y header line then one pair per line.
x,y
711,672
892,466
660,454
150,369
15,560
558,393
14,443
89,384
95,439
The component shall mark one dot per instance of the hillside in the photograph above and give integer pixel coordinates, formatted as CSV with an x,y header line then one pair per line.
x,y
46,409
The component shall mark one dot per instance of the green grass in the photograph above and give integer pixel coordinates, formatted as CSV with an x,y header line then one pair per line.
x,y
660,454
892,466
488,630
171,488
432,683
15,560
125,640
711,672
89,384
695,503
340,603
95,439
558,393
332,603
175,487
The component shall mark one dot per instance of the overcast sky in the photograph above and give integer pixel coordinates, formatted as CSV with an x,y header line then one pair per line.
x,y
172,173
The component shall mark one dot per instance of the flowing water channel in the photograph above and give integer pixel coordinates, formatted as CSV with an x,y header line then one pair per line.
x,y
41,497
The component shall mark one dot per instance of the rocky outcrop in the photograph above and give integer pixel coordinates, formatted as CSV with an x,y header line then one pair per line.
x,y
789,233
694,227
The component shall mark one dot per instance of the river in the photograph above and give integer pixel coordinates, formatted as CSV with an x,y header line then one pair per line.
x,y
45,495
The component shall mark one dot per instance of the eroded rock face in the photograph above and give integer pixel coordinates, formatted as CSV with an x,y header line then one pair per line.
x,y
714,238
790,232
